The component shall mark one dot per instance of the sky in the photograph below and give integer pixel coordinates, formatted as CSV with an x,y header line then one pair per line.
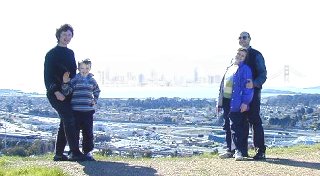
x,y
170,36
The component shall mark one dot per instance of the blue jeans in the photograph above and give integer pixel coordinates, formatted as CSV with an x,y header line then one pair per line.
x,y
226,125
84,122
237,124
67,127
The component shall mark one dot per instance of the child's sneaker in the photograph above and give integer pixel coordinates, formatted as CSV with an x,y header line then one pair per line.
x,y
238,156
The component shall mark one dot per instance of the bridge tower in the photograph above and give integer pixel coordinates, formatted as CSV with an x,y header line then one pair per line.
x,y
286,73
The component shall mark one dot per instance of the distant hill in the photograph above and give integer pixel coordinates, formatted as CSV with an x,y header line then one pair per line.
x,y
292,90
275,91
13,92
317,87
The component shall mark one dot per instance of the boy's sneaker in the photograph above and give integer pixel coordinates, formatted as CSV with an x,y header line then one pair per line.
x,y
238,156
226,155
260,156
60,158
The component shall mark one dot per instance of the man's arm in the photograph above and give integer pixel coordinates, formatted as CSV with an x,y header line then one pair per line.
x,y
261,71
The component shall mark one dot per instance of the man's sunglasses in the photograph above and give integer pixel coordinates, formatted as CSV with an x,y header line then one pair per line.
x,y
243,37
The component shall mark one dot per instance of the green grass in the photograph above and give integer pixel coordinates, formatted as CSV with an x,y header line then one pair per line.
x,y
31,171
7,168
298,149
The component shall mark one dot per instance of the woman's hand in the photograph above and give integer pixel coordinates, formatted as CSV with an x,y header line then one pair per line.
x,y
59,95
66,77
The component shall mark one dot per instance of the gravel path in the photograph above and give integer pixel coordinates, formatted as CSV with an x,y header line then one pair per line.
x,y
282,165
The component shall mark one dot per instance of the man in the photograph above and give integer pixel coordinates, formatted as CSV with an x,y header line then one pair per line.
x,y
59,60
256,62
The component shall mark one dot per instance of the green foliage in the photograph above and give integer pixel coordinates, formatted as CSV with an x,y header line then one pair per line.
x,y
105,152
147,154
39,147
31,171
23,148
15,151
294,100
160,103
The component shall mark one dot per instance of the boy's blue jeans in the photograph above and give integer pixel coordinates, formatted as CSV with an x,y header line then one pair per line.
x,y
84,122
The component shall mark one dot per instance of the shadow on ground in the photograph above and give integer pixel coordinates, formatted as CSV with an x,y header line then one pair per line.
x,y
106,168
295,163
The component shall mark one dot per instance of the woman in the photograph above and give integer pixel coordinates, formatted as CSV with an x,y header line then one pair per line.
x,y
234,99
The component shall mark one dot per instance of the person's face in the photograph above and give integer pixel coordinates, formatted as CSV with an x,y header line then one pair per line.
x,y
65,38
84,69
240,57
244,40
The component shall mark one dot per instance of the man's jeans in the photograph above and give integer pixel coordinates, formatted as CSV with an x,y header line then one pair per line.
x,y
255,122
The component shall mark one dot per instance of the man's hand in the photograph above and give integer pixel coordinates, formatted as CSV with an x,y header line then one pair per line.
x,y
218,110
59,95
243,107
249,84
66,77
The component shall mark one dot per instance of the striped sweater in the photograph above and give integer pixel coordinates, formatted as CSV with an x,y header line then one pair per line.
x,y
85,92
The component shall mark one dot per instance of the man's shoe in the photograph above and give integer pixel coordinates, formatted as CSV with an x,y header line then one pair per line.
x,y
226,155
60,158
90,157
78,157
245,155
260,156
238,156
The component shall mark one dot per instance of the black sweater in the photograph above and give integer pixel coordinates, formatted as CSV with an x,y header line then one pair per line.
x,y
58,61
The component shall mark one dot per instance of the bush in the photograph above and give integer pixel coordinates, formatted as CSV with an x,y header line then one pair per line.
x,y
15,151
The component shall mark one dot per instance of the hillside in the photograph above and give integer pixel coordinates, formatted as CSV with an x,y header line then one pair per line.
x,y
299,160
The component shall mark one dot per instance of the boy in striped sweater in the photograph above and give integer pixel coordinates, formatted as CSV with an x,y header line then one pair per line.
x,y
85,93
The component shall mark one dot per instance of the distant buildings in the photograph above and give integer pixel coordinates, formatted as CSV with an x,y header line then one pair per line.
x,y
154,78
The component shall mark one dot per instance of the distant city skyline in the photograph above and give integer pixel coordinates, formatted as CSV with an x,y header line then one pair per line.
x,y
154,78
196,76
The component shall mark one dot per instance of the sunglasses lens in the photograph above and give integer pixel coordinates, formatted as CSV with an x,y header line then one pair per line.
x,y
243,38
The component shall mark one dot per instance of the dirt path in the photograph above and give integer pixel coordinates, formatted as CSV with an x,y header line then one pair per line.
x,y
295,165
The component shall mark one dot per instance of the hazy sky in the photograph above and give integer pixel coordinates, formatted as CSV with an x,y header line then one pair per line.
x,y
172,36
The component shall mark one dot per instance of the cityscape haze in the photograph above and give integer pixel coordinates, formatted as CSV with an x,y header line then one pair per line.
x,y
161,44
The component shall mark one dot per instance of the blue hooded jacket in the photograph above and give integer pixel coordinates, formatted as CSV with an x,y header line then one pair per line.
x,y
240,94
